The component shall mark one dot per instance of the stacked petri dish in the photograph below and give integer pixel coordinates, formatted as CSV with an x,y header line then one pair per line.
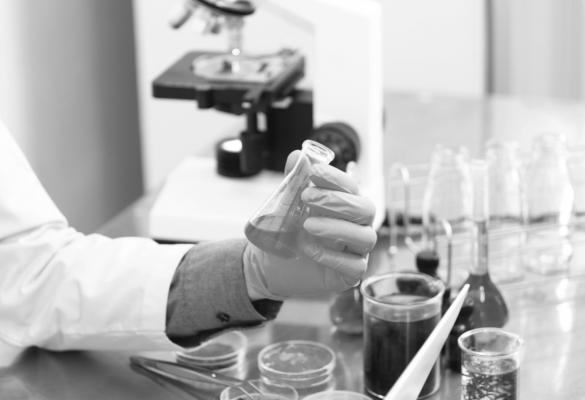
x,y
307,366
225,354
258,390
338,395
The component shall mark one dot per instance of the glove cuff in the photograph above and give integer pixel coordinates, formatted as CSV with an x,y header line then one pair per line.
x,y
254,275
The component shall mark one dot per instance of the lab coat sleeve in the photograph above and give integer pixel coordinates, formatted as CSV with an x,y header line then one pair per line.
x,y
60,289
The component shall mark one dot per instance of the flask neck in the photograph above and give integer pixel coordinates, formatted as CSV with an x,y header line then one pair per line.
x,y
480,261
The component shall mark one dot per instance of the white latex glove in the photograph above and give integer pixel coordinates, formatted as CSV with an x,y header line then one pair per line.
x,y
335,242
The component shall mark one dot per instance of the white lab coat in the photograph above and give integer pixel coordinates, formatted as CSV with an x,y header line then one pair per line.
x,y
59,288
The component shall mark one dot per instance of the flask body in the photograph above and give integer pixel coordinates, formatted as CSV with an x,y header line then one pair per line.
x,y
276,227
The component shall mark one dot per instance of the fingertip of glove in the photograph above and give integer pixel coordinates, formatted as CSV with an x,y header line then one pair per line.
x,y
291,160
311,226
311,194
327,176
351,282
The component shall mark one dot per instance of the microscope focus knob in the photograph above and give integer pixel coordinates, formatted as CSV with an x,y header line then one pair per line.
x,y
238,8
342,139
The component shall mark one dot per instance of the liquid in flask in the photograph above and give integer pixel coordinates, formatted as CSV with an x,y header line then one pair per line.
x,y
276,227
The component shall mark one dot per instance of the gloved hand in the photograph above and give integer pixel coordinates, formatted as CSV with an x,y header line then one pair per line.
x,y
335,241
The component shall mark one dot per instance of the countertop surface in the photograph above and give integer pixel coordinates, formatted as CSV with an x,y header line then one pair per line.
x,y
547,311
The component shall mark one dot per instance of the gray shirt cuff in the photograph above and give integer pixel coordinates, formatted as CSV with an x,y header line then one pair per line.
x,y
208,294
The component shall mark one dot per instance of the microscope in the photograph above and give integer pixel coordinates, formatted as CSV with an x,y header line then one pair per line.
x,y
343,111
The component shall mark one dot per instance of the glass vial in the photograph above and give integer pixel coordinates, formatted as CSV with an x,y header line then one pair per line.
x,y
505,211
276,226
549,206
448,198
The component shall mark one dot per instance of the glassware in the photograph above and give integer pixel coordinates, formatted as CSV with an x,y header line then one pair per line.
x,y
337,395
346,312
225,353
258,390
427,260
485,306
505,211
491,357
576,165
276,227
400,311
448,198
405,192
307,366
549,206
462,325
489,307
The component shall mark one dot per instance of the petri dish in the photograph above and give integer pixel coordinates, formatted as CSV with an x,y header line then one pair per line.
x,y
218,353
258,390
337,395
309,383
297,362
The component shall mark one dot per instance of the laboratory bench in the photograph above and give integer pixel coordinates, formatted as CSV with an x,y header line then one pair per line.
x,y
548,312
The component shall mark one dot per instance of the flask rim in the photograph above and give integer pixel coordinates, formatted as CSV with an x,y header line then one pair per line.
x,y
317,150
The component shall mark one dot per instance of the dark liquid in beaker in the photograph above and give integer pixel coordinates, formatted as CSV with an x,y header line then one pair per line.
x,y
390,345
271,234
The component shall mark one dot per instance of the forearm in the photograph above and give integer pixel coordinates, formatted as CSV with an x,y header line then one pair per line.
x,y
208,293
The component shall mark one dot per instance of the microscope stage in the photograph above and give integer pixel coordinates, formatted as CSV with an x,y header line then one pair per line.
x,y
205,77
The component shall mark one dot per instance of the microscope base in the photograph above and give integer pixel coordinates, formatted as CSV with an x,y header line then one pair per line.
x,y
197,204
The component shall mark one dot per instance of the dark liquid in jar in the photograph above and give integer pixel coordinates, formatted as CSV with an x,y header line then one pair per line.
x,y
390,345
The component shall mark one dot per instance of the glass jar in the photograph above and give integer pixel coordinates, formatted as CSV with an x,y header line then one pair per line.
x,y
505,211
549,206
447,200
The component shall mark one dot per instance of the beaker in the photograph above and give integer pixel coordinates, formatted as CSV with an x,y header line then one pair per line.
x,y
491,357
549,207
400,311
275,228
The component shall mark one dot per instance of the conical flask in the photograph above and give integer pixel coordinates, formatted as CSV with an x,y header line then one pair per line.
x,y
275,228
